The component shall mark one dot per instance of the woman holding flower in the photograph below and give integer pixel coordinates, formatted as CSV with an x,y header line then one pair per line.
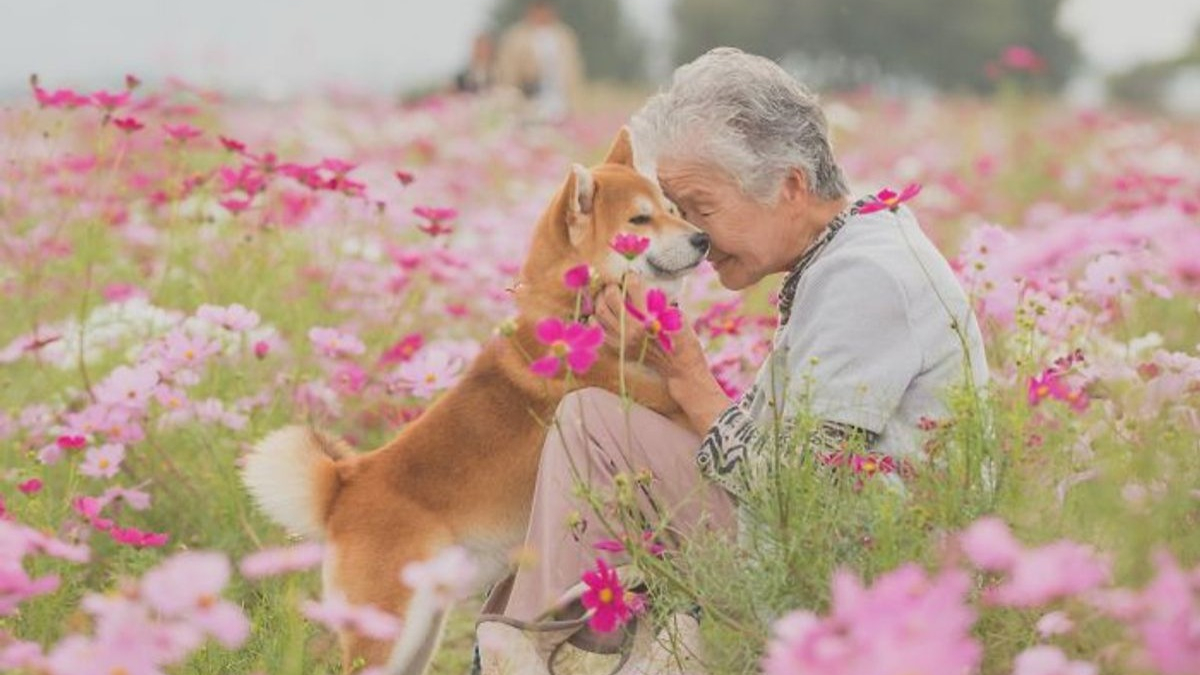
x,y
873,326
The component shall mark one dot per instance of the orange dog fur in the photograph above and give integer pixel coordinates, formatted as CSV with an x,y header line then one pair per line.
x,y
463,473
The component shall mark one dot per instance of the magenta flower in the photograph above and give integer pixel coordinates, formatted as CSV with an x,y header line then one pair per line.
x,y
574,343
110,101
261,349
605,597
406,178
660,319
629,245
577,277
403,350
232,145
60,98
1022,58
30,486
436,219
68,442
648,542
1047,385
887,199
128,124
182,132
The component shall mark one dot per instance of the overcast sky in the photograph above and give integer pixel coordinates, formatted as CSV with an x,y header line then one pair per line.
x,y
282,46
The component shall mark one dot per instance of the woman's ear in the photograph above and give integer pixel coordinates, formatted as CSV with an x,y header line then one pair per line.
x,y
795,186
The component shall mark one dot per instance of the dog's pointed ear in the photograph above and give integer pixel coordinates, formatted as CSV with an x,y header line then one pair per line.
x,y
579,196
621,151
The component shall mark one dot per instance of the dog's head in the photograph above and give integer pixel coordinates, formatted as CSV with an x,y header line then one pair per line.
x,y
612,198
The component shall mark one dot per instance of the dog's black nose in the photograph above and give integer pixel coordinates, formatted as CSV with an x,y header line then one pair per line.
x,y
700,241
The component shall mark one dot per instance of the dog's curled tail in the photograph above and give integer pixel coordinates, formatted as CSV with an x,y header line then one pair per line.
x,y
292,474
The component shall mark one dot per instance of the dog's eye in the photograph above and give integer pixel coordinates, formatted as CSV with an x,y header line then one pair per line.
x,y
642,219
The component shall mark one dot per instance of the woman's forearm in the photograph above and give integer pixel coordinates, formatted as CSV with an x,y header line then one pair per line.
x,y
697,392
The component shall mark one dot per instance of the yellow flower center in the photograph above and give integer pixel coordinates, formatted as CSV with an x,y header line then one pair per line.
x,y
559,349
1043,390
206,601
655,327
430,378
606,595
104,464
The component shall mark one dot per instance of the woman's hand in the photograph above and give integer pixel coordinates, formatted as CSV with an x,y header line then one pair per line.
x,y
684,367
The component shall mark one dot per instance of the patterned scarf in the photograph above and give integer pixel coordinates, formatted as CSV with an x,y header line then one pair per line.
x,y
787,294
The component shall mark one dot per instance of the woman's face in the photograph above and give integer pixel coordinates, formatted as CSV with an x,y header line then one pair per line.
x,y
748,237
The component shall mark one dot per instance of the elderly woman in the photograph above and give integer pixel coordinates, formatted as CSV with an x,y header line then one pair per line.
x,y
873,326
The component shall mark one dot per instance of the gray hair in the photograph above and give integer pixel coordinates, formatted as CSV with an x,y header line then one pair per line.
x,y
746,115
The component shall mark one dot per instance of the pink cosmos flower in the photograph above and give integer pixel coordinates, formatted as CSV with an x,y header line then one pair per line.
x,y
1047,385
1055,623
448,576
182,133
906,622
366,620
31,486
990,545
887,199
261,349
235,317
577,277
109,101
1169,618
128,387
429,372
1057,570
349,379
660,318
1047,660
71,442
404,177
104,461
334,343
607,600
235,206
60,98
275,561
132,536
1022,58
436,219
403,350
629,245
187,587
232,145
128,124
648,542
574,344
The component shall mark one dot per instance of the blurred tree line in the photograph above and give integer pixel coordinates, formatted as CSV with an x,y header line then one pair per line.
x,y
946,44
1147,83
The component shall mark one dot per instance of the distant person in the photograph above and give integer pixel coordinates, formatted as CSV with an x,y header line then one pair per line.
x,y
479,74
540,57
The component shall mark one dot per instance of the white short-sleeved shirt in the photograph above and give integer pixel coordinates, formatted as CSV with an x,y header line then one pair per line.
x,y
874,333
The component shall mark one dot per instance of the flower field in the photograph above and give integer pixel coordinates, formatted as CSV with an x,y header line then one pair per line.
x,y
183,273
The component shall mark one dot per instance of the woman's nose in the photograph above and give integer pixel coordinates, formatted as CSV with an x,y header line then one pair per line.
x,y
700,241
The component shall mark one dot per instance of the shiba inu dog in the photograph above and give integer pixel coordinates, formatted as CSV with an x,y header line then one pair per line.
x,y
464,472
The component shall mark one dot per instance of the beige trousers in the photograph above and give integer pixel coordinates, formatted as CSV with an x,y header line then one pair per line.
x,y
595,439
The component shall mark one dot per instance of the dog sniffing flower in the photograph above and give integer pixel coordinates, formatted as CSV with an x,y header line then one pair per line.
x,y
573,343
887,199
630,245
609,602
660,319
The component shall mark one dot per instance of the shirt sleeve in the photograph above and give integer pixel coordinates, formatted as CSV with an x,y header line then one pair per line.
x,y
850,350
